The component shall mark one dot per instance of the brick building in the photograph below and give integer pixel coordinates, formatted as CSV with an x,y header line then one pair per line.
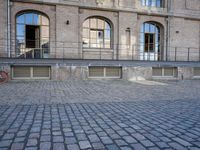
x,y
61,39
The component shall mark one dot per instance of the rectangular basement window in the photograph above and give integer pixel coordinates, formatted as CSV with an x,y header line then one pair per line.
x,y
31,72
105,72
196,72
164,72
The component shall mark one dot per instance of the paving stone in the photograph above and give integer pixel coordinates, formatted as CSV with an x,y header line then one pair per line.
x,y
177,146
17,146
112,147
119,119
98,146
73,147
84,144
182,142
32,142
147,143
129,139
138,147
45,146
58,146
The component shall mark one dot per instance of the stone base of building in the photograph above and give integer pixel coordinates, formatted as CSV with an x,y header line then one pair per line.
x,y
63,70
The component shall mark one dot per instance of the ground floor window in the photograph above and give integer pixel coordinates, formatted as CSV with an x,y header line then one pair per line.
x,y
32,35
164,72
150,41
105,72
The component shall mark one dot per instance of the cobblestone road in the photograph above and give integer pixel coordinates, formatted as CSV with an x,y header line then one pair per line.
x,y
100,115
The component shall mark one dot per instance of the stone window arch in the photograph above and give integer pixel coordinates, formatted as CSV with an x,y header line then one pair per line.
x,y
97,33
32,35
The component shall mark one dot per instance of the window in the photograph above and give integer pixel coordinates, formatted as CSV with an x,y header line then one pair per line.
x,y
32,35
96,33
196,72
128,38
164,72
105,72
152,3
150,41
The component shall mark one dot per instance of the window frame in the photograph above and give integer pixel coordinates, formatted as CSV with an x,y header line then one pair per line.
x,y
88,45
148,50
21,39
149,3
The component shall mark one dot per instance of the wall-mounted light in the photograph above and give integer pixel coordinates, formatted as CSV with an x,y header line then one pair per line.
x,y
67,22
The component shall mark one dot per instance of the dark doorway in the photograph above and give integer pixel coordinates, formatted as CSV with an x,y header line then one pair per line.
x,y
32,36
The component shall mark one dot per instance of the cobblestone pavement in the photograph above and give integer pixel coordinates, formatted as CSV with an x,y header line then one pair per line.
x,y
50,92
108,115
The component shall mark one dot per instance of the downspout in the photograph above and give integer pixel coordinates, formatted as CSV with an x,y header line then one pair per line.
x,y
168,30
8,29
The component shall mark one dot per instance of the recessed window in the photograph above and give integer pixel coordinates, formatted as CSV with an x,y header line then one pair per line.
x,y
96,33
32,35
150,41
105,72
196,72
152,3
164,72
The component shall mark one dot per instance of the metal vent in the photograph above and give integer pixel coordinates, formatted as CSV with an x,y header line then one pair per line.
x,y
165,72
96,72
29,72
41,72
157,72
21,72
105,72
113,72
196,71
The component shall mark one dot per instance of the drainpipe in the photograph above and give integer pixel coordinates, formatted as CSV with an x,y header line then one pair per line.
x,y
168,30
8,29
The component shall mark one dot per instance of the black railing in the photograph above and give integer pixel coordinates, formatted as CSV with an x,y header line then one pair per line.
x,y
74,50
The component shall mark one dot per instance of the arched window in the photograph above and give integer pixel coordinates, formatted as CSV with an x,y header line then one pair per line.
x,y
32,35
152,3
96,33
150,41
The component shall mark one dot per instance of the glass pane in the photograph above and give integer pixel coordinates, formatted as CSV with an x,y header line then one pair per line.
x,y
45,20
21,19
44,31
44,42
107,26
153,3
158,3
107,43
36,19
93,34
93,23
100,34
151,38
147,27
29,18
100,24
143,2
152,28
20,30
107,34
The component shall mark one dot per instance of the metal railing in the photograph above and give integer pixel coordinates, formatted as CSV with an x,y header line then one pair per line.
x,y
78,50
